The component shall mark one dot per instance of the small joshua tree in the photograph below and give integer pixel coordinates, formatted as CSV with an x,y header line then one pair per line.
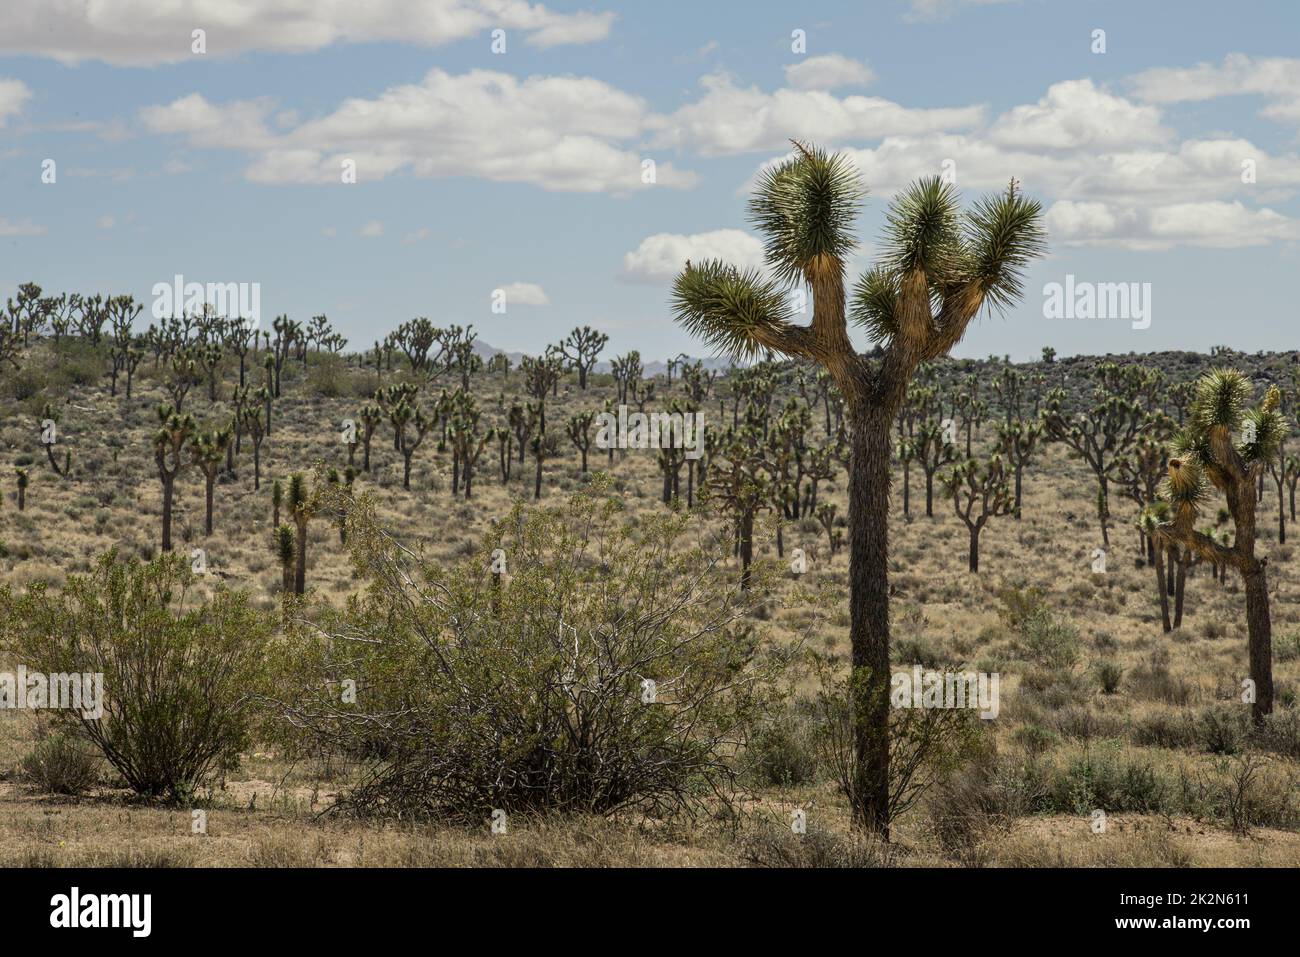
x,y
934,448
1018,440
371,416
579,428
1206,458
277,498
284,552
581,348
208,451
174,431
22,477
50,421
979,492
302,506
256,429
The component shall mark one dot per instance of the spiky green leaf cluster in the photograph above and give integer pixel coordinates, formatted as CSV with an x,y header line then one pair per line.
x,y
805,208
729,309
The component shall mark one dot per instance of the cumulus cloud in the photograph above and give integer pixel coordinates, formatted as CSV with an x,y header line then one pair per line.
x,y
525,294
564,133
660,257
1076,114
372,229
828,72
13,95
146,33
1214,224
1277,79
730,119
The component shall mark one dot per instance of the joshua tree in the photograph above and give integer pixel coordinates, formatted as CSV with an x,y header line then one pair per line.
x,y
174,431
934,449
579,429
939,271
50,421
277,498
302,506
738,480
979,492
467,440
1018,441
371,416
284,551
402,415
1208,457
581,348
826,516
22,476
207,452
256,430
1102,436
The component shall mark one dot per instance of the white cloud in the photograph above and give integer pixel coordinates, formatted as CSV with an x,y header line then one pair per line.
x,y
146,33
732,119
1076,114
13,95
525,294
828,72
24,227
106,222
563,133
660,257
372,229
1213,224
419,235
1275,78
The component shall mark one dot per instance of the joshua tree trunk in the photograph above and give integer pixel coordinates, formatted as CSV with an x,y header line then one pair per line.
x,y
869,611
1179,587
974,557
167,514
207,501
745,541
1160,587
300,553
1259,626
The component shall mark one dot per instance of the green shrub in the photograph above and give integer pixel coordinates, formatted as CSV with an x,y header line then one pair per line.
x,y
179,676
530,696
61,765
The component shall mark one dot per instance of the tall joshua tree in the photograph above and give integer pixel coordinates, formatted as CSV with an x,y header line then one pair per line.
x,y
939,270
1207,456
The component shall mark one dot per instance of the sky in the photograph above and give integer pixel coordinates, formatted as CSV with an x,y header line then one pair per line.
x,y
501,152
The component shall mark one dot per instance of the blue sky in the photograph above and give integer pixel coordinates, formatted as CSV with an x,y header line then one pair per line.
x,y
522,170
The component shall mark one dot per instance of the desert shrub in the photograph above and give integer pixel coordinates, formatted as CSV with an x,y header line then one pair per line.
x,y
782,754
1109,674
1153,679
771,844
1049,640
1104,777
180,674
531,695
927,745
1036,739
1280,733
1222,729
966,809
60,764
